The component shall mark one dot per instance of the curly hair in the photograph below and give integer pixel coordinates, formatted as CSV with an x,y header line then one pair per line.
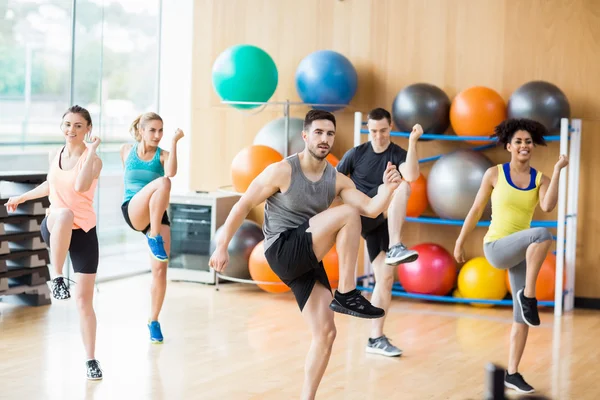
x,y
507,128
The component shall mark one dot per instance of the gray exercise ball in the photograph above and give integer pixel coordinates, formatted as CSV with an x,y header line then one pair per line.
x,y
541,101
240,247
454,181
421,103
273,136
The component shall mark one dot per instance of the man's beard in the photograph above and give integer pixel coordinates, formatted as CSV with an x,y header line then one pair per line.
x,y
318,157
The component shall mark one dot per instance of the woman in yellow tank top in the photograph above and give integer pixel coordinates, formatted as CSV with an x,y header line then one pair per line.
x,y
515,189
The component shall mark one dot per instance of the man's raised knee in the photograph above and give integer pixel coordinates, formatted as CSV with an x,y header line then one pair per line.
x,y
403,189
351,214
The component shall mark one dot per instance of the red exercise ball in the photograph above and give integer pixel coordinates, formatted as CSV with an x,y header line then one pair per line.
x,y
249,163
417,201
476,111
434,272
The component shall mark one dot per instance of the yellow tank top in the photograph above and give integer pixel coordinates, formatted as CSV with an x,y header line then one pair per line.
x,y
512,207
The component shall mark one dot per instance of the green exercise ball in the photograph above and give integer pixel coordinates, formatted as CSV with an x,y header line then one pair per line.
x,y
244,73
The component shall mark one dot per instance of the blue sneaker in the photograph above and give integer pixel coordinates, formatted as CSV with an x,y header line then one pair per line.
x,y
157,248
155,332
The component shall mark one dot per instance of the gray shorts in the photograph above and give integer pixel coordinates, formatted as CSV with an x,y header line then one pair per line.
x,y
509,253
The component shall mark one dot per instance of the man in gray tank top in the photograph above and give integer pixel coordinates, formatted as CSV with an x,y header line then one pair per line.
x,y
301,227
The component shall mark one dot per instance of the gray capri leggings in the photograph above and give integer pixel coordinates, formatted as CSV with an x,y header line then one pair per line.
x,y
509,253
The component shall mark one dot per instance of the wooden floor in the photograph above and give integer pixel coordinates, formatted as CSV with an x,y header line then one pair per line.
x,y
242,343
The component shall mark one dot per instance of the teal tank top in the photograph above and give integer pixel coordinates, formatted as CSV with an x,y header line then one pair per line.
x,y
139,173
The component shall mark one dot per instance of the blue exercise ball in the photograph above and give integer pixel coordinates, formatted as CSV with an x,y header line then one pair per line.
x,y
326,77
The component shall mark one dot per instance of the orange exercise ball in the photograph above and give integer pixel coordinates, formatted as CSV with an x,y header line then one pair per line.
x,y
333,160
545,283
249,163
417,201
332,269
261,271
476,111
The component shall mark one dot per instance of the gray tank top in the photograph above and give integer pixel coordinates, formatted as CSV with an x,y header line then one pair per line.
x,y
303,200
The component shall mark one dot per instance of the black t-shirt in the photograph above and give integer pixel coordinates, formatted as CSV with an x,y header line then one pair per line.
x,y
365,167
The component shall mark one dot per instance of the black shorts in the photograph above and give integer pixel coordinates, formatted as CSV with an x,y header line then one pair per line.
x,y
293,260
124,209
375,232
83,249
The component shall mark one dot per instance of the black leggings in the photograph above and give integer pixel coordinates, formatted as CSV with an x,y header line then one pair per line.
x,y
83,248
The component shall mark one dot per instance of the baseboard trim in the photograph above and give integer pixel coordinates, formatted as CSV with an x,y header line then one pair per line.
x,y
587,302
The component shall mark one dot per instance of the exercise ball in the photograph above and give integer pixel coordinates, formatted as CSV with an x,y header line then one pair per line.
x,y
541,101
333,160
476,111
261,271
326,77
241,245
417,201
332,269
424,104
273,135
478,279
434,272
546,280
454,181
249,163
244,73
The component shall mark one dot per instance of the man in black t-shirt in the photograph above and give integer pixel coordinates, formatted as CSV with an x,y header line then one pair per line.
x,y
364,164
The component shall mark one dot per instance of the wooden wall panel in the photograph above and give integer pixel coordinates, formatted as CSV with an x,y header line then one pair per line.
x,y
454,44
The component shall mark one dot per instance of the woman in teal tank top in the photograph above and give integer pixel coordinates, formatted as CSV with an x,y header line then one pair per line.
x,y
516,189
146,198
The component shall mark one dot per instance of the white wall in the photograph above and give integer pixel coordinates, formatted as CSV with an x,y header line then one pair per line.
x,y
176,83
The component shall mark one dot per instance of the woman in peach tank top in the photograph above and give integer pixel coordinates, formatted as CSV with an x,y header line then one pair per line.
x,y
70,223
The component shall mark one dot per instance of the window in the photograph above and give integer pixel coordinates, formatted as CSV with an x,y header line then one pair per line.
x,y
110,65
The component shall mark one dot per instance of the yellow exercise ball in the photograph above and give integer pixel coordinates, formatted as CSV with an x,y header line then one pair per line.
x,y
478,279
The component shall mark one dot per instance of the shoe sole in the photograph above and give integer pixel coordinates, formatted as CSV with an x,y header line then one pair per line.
x,y
515,388
342,310
397,261
159,259
156,341
381,352
521,308
94,379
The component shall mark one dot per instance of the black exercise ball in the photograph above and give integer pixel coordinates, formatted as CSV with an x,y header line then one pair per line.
x,y
540,101
421,103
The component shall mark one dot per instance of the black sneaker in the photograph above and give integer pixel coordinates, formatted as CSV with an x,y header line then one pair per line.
x,y
516,382
529,310
353,303
94,372
398,254
60,291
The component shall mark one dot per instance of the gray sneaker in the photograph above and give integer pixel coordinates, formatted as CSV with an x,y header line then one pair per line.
x,y
382,346
399,254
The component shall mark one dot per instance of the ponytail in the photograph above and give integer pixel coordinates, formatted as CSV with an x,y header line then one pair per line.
x,y
134,129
